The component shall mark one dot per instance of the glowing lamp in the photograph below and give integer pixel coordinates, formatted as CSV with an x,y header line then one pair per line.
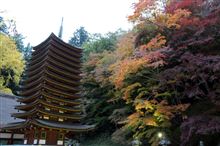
x,y
160,135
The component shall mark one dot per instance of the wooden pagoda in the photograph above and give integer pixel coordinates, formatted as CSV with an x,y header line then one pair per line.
x,y
50,103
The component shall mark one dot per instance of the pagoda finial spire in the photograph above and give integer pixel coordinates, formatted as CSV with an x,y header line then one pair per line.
x,y
61,29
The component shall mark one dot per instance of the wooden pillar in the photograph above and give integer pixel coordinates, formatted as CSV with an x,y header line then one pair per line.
x,y
10,140
30,136
52,137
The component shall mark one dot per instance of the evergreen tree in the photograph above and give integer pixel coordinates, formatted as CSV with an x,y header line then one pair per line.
x,y
79,37
27,52
8,27
18,38
3,27
99,43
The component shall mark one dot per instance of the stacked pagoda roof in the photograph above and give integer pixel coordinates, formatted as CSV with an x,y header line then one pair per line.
x,y
52,81
50,92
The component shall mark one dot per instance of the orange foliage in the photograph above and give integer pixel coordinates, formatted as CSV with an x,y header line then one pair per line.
x,y
94,59
124,68
173,19
149,121
158,42
139,7
125,46
167,112
133,119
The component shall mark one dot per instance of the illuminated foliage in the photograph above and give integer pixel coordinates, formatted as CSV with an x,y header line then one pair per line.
x,y
125,67
165,73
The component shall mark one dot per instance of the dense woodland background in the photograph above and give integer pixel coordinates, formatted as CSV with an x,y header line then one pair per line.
x,y
161,76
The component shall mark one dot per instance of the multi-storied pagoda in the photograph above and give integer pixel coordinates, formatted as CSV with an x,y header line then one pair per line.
x,y
50,103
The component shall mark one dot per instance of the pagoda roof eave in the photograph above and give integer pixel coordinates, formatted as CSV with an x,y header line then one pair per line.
x,y
65,50
16,125
50,124
39,68
49,73
74,102
58,40
27,114
39,56
60,78
24,114
73,70
34,77
61,107
65,126
44,102
36,72
65,73
47,62
73,89
35,59
36,65
36,95
31,84
67,56
61,93
68,116
56,53
23,107
48,80
30,98
30,92
61,58
66,91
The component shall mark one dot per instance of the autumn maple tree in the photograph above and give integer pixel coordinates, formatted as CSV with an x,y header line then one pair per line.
x,y
160,74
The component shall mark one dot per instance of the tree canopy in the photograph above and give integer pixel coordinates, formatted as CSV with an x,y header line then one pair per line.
x,y
79,37
160,77
11,64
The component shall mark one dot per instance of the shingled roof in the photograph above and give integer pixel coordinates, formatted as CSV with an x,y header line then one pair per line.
x,y
7,106
51,89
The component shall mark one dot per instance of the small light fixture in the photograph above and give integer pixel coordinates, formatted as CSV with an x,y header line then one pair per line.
x,y
160,134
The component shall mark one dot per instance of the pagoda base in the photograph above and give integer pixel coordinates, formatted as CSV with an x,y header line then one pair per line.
x,y
44,137
46,132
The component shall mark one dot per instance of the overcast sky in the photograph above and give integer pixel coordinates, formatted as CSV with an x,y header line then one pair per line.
x,y
36,19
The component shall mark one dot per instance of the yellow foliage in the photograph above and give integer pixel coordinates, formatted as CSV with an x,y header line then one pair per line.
x,y
144,104
5,90
152,112
127,92
10,59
